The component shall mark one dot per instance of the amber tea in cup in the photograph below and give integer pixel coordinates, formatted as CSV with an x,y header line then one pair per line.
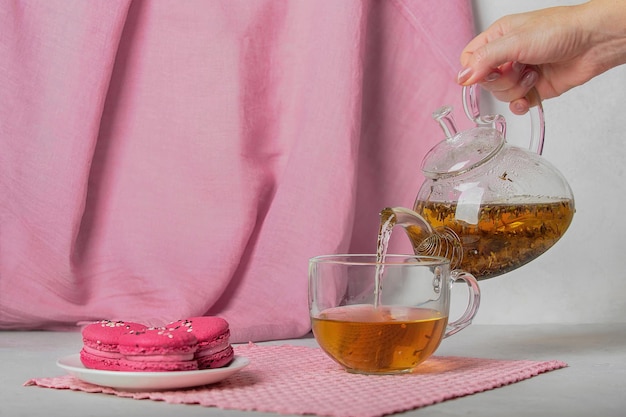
x,y
384,317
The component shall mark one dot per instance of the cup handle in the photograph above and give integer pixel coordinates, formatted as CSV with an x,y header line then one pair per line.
x,y
472,306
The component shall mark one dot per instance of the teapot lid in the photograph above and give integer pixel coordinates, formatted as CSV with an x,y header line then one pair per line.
x,y
461,151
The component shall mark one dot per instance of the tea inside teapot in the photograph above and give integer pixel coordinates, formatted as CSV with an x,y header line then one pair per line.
x,y
506,236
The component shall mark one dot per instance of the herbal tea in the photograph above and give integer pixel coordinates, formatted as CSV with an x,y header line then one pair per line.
x,y
506,236
379,339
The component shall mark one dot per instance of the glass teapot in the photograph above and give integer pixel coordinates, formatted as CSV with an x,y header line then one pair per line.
x,y
486,205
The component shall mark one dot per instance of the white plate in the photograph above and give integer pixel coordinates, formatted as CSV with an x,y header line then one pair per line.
x,y
146,381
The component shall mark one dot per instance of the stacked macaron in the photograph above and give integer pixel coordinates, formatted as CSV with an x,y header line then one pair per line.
x,y
101,343
184,345
213,334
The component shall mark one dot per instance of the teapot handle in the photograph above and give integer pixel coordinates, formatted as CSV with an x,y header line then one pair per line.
x,y
537,122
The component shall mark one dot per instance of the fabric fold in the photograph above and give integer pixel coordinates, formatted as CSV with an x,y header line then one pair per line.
x,y
170,159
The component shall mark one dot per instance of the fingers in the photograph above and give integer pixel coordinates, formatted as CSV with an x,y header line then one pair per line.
x,y
478,68
552,42
492,59
514,82
511,82
522,105
489,51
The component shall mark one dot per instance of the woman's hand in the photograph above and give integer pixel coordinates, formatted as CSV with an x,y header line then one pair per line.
x,y
553,50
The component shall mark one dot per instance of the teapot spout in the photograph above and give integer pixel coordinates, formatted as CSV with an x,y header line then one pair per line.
x,y
425,240
407,218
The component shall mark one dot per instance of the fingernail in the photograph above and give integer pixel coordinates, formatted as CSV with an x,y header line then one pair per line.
x,y
492,77
529,79
518,66
464,75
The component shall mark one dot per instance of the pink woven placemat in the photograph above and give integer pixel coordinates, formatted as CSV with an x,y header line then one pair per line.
x,y
302,380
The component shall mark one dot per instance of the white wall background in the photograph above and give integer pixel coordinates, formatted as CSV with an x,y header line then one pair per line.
x,y
582,279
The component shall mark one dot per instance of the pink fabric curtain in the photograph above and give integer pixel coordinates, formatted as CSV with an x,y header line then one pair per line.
x,y
165,159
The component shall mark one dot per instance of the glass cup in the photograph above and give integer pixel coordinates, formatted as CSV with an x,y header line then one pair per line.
x,y
384,317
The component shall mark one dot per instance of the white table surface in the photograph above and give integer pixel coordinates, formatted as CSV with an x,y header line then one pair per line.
x,y
594,384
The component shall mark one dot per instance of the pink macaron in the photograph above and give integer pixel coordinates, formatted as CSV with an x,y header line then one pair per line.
x,y
158,350
101,343
213,334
